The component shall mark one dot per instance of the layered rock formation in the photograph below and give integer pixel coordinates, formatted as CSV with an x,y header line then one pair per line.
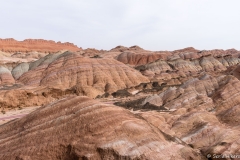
x,y
67,73
91,76
137,56
181,104
7,59
202,112
40,45
80,128
179,68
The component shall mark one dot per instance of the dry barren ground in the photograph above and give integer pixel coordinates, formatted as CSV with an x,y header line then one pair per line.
x,y
15,114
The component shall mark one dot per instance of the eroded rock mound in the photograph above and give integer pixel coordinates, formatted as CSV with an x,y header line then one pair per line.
x,y
66,73
80,128
89,76
180,70
136,58
5,76
202,112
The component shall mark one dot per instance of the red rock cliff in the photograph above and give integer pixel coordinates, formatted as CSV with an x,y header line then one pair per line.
x,y
40,45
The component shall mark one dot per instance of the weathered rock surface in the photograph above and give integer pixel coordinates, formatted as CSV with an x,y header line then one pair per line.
x,y
90,76
65,73
30,55
5,76
40,45
6,58
177,104
139,58
178,68
80,128
202,112
17,96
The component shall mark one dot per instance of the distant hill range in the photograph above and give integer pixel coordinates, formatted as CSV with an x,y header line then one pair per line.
x,y
40,45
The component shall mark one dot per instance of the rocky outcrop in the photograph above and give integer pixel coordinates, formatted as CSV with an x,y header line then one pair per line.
x,y
140,58
200,129
178,68
25,67
18,96
20,69
40,45
235,71
193,93
80,128
5,76
202,112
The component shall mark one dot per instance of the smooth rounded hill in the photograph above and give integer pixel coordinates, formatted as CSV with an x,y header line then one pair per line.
x,y
40,45
81,128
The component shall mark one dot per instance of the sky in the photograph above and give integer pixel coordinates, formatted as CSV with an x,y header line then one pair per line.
x,y
104,24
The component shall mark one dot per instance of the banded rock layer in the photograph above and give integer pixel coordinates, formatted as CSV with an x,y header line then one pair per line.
x,y
40,45
90,76
189,107
80,128
165,70
57,75
141,58
136,57
202,112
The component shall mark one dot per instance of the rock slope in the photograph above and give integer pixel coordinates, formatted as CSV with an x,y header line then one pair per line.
x,y
90,76
80,128
178,69
59,74
202,112
181,104
5,76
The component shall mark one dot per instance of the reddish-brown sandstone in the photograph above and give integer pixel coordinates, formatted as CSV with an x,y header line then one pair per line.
x,y
80,128
67,73
91,76
202,112
180,69
137,56
188,106
40,45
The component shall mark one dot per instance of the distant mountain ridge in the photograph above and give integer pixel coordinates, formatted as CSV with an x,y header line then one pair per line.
x,y
39,45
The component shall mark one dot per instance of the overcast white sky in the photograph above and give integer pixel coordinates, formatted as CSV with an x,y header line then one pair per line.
x,y
104,24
